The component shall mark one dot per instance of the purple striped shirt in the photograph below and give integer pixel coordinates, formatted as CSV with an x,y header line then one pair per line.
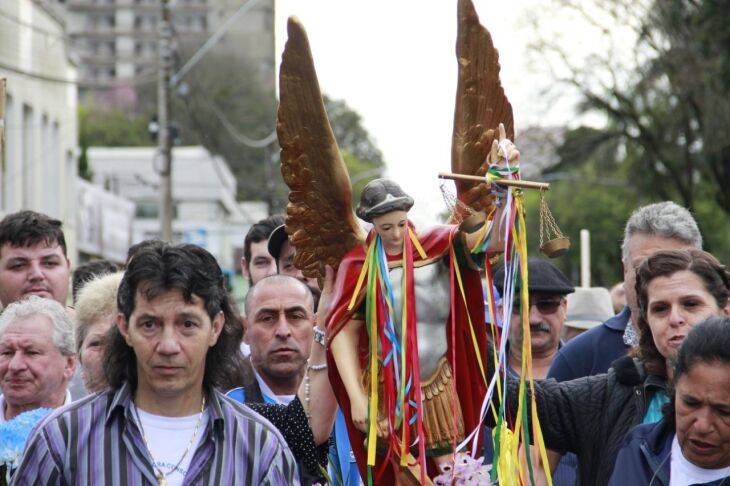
x,y
97,441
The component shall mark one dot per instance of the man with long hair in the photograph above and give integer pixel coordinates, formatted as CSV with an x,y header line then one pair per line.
x,y
164,421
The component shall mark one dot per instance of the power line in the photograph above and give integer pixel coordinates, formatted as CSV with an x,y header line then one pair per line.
x,y
42,77
33,27
212,41
241,138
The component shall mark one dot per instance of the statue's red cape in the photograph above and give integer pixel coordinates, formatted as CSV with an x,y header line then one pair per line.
x,y
437,243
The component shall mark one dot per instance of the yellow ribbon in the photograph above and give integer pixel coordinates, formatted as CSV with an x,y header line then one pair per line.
x,y
363,273
373,324
416,243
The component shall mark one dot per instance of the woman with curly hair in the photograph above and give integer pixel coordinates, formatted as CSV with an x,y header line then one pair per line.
x,y
590,416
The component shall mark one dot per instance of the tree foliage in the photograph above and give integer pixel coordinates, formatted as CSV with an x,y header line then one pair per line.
x,y
223,106
665,101
108,127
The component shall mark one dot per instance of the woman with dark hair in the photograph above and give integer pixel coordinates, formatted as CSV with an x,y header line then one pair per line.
x,y
590,416
691,444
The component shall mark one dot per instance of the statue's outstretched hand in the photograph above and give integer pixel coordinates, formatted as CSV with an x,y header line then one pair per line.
x,y
503,153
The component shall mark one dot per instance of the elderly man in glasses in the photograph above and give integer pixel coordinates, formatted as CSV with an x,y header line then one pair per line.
x,y
548,288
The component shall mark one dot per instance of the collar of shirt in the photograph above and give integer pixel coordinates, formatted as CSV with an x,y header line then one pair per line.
x,y
2,405
631,337
123,400
267,392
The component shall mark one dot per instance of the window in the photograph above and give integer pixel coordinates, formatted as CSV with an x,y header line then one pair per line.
x,y
52,161
28,171
9,170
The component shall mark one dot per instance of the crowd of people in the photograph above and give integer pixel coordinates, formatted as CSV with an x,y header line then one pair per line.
x,y
153,375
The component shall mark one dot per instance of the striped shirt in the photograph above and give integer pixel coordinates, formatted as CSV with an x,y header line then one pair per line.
x,y
97,441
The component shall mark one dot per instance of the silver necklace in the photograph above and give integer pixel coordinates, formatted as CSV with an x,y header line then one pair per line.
x,y
159,473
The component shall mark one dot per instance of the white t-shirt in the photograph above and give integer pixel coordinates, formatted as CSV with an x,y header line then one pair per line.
x,y
168,437
684,472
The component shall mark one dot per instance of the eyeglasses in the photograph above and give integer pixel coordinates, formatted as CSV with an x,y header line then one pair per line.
x,y
544,306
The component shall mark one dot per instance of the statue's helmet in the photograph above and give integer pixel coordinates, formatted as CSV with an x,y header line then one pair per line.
x,y
382,196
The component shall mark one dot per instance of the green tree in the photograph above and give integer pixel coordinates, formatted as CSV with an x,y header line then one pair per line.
x,y
108,127
595,196
224,106
666,105
363,158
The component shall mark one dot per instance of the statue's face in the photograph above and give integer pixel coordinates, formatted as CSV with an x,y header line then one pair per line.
x,y
392,228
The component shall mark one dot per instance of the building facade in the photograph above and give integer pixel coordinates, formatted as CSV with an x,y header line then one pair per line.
x,y
204,196
116,40
38,169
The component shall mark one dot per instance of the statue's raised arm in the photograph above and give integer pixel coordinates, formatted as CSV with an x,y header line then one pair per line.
x,y
481,105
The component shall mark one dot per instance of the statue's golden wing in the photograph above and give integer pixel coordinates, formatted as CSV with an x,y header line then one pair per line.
x,y
320,221
481,106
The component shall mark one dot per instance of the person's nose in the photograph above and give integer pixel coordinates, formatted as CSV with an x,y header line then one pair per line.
x,y
676,317
17,362
168,343
283,330
702,424
35,272
398,233
535,315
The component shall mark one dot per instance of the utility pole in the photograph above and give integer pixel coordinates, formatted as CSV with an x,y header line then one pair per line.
x,y
163,118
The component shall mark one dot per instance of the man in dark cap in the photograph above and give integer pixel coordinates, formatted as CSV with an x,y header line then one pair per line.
x,y
257,262
283,252
548,288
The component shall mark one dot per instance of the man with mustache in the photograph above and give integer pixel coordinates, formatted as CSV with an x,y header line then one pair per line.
x,y
548,288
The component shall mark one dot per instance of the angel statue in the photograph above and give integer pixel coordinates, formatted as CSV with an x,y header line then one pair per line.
x,y
406,332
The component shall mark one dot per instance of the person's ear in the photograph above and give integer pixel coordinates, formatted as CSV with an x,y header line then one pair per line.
x,y
218,322
244,268
726,310
245,322
69,367
123,326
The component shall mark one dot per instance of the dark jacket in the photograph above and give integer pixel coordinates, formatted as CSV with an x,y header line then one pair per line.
x,y
592,352
590,416
644,457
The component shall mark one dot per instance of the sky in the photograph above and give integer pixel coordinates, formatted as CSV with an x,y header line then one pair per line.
x,y
394,63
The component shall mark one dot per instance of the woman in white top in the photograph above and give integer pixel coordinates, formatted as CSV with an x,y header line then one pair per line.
x,y
691,444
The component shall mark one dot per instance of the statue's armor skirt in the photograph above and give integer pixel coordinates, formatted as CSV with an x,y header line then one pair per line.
x,y
440,406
